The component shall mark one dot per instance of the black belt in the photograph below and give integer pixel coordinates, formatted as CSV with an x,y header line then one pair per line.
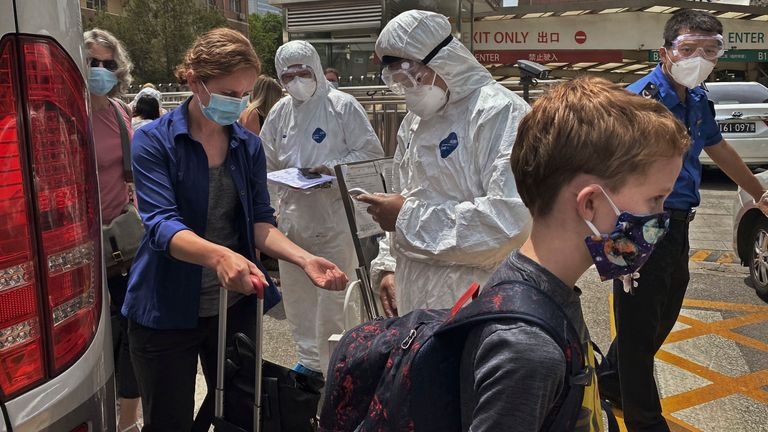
x,y
681,215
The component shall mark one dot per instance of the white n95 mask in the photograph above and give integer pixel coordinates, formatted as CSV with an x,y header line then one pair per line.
x,y
691,72
301,88
425,101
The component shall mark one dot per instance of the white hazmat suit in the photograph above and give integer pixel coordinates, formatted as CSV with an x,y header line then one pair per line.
x,y
462,213
327,129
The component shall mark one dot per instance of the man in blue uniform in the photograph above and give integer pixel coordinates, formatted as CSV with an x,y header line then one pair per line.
x,y
647,306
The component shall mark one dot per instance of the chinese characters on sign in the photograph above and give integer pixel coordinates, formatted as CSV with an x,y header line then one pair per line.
x,y
489,57
543,57
503,37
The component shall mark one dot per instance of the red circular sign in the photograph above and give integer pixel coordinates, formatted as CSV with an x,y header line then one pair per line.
x,y
580,37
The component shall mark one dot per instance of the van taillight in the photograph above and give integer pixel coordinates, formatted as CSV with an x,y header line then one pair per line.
x,y
22,362
50,265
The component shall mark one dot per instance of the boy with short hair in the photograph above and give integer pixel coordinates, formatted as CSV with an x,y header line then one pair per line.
x,y
594,164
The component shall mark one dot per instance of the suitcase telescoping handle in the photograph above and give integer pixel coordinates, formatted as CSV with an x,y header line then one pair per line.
x,y
222,354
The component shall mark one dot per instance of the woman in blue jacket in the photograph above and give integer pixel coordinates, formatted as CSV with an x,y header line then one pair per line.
x,y
201,181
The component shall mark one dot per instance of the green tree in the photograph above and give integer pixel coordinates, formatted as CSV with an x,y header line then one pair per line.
x,y
266,34
158,33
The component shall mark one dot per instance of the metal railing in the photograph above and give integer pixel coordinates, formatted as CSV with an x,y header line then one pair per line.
x,y
385,109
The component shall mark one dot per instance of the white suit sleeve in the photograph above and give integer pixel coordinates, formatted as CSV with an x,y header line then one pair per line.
x,y
477,233
385,261
270,135
359,136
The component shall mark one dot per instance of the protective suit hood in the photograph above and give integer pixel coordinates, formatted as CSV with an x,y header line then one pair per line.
x,y
414,34
302,52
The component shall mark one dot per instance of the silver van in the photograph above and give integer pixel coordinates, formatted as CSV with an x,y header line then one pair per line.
x,y
56,367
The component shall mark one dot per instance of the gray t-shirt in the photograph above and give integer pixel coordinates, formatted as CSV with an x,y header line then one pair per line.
x,y
513,373
222,203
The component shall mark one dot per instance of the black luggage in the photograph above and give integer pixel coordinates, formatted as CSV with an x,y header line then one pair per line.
x,y
287,400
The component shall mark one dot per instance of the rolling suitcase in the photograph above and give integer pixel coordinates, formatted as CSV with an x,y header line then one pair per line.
x,y
269,398
220,424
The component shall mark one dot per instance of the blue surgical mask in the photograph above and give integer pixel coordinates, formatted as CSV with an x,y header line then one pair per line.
x,y
625,249
101,81
221,109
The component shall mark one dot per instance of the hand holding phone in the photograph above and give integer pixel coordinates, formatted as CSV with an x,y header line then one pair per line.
x,y
307,174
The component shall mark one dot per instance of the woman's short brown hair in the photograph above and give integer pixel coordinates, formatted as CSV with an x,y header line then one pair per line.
x,y
590,126
216,53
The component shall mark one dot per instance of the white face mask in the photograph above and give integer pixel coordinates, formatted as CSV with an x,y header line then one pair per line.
x,y
691,72
301,88
425,101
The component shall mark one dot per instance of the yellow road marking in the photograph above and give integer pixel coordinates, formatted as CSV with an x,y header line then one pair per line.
x,y
750,385
699,328
727,258
700,255
736,307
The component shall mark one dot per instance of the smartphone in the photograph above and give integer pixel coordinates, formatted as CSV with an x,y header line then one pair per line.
x,y
357,191
307,174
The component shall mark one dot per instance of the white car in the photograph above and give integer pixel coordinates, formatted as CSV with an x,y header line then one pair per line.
x,y
56,367
742,112
750,237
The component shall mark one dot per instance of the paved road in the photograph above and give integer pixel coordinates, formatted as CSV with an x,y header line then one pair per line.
x,y
713,369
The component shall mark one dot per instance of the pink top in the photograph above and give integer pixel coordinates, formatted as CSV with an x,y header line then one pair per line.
x,y
113,189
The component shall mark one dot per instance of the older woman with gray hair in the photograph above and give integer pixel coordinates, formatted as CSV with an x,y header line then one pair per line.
x,y
109,75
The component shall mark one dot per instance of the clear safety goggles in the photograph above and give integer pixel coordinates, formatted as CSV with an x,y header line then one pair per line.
x,y
709,47
406,75
302,71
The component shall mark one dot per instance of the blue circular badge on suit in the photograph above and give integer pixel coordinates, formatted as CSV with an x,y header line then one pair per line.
x,y
448,145
318,135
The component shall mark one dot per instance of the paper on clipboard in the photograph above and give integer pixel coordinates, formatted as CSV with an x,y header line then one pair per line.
x,y
291,177
367,177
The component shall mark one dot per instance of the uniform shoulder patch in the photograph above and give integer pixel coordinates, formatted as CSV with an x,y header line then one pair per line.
x,y
649,91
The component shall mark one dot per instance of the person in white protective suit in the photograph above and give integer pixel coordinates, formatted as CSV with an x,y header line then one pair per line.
x,y
456,213
315,127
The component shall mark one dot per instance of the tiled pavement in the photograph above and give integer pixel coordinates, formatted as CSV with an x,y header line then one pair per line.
x,y
712,370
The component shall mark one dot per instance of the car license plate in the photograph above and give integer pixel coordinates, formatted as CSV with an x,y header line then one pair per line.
x,y
737,127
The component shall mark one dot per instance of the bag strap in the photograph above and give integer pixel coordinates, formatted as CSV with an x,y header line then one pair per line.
x,y
521,300
473,291
125,141
517,299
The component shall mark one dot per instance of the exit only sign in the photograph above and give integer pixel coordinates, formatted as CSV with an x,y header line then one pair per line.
x,y
729,56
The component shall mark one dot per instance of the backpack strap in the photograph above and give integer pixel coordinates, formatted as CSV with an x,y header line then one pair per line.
x,y
521,300
518,299
473,291
124,140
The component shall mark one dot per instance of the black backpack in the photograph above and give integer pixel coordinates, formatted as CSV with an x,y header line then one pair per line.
x,y
402,374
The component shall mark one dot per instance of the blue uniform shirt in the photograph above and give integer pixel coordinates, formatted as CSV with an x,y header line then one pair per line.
x,y
170,169
697,117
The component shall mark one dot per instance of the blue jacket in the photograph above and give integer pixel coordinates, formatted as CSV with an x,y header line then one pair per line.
x,y
698,117
170,170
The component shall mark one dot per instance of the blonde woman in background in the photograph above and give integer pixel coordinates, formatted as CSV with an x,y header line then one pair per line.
x,y
266,92
109,75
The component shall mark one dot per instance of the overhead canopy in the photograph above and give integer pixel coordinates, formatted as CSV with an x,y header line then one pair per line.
x,y
572,38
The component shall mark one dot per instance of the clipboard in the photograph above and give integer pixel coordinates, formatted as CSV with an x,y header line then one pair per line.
x,y
374,176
